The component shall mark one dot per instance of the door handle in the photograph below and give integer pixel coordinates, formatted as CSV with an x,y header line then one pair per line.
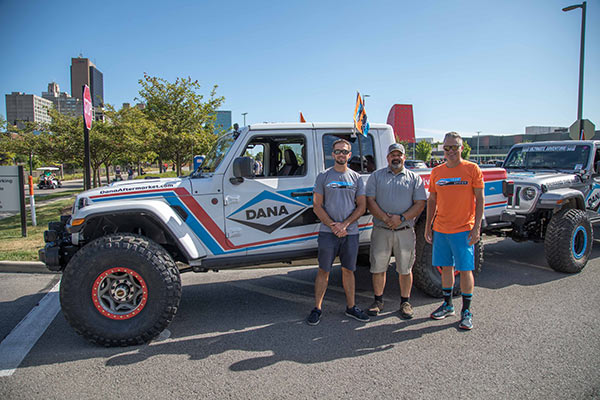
x,y
231,199
302,194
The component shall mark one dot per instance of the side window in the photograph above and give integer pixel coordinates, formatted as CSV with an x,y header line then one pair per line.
x,y
277,155
363,155
257,152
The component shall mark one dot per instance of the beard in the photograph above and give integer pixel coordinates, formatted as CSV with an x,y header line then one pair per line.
x,y
338,162
396,164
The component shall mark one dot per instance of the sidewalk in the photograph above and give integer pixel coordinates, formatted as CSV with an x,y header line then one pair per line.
x,y
27,267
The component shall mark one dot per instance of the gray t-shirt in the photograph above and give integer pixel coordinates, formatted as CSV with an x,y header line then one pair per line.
x,y
395,193
339,191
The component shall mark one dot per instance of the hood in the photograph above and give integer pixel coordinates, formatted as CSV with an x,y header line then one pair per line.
x,y
128,190
550,179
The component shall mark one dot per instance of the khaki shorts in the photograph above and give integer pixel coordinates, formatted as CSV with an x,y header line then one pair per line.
x,y
401,243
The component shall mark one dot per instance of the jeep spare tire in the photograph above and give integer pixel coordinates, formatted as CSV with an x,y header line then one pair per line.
x,y
568,242
120,290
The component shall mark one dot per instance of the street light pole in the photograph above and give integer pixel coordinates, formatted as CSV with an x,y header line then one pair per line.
x,y
244,114
478,156
581,53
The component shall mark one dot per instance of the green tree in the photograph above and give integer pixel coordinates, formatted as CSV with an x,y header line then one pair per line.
x,y
25,144
423,150
183,120
64,144
138,133
466,151
7,156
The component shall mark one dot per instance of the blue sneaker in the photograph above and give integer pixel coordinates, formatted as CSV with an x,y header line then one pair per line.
x,y
466,322
314,317
357,314
443,311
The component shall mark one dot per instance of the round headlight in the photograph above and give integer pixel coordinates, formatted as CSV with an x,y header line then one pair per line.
x,y
528,193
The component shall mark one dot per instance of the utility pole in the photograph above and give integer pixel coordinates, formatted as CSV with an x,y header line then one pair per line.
x,y
581,53
478,156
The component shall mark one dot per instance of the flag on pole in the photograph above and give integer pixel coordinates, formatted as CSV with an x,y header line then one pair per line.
x,y
302,117
360,116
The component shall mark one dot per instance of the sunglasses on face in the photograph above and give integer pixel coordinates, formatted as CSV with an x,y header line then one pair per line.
x,y
454,147
339,151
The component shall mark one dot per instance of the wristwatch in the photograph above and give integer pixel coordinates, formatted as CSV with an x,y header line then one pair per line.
x,y
402,218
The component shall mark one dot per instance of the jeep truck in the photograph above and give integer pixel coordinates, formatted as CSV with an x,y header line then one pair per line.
x,y
122,249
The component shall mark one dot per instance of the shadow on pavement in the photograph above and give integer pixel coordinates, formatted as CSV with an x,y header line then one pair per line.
x,y
266,315
509,263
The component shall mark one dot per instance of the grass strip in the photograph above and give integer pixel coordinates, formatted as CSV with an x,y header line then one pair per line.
x,y
14,247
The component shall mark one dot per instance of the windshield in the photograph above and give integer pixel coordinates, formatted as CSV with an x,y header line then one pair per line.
x,y
216,154
565,156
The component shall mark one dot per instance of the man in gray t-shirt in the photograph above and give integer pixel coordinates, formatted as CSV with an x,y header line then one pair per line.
x,y
338,201
395,197
339,191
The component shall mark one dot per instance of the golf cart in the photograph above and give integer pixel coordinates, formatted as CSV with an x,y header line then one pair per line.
x,y
48,179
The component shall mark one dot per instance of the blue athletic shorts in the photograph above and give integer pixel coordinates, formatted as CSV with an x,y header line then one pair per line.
x,y
453,250
331,246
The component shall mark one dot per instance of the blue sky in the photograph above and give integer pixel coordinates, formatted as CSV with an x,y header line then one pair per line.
x,y
465,65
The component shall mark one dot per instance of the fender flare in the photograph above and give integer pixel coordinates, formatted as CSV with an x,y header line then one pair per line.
x,y
160,212
555,199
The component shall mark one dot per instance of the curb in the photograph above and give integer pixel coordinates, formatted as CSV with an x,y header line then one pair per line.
x,y
28,267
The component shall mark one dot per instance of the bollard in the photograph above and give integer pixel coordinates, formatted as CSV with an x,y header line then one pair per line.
x,y
32,201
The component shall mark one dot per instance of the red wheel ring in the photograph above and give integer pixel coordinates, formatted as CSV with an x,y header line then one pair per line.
x,y
119,293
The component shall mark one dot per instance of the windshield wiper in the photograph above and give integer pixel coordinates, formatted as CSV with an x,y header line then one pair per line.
x,y
523,168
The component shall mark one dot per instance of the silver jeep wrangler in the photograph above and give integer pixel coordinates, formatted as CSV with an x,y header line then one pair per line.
x,y
555,199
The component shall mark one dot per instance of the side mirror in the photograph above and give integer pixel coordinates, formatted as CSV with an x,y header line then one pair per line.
x,y
499,164
243,167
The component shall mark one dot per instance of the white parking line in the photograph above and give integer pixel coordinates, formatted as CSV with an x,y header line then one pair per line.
x,y
15,347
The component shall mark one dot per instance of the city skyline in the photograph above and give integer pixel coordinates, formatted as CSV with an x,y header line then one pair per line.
x,y
463,65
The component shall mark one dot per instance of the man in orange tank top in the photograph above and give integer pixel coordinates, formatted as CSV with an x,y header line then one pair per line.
x,y
454,213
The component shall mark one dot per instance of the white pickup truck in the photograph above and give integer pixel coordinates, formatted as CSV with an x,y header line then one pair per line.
x,y
249,203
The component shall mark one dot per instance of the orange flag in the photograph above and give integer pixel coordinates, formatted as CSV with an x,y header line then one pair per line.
x,y
302,117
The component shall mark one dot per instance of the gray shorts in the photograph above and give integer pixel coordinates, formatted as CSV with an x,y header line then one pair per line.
x,y
331,246
401,243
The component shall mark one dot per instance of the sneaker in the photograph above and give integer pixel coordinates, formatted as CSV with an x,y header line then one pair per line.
x,y
375,308
357,314
314,317
406,310
466,322
443,311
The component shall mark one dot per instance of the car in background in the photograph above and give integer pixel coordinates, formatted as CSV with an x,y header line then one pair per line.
x,y
415,164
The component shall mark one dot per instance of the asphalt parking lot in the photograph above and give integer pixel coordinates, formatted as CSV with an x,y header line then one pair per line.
x,y
241,334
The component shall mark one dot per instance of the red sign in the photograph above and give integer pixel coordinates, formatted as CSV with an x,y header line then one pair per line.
x,y
401,119
87,107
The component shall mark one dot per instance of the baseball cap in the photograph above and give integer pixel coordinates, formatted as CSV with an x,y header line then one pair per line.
x,y
396,147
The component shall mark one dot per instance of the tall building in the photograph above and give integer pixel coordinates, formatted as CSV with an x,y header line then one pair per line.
x,y
21,108
223,121
84,72
63,102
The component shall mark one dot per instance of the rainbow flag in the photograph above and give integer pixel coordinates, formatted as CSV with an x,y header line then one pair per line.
x,y
360,116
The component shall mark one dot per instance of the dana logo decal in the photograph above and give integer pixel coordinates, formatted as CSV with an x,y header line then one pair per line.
x,y
267,211
594,198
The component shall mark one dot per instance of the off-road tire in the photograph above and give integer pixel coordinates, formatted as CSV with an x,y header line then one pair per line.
x,y
428,278
135,261
568,242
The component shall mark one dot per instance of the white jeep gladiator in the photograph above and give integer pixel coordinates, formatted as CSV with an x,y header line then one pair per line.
x,y
249,203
